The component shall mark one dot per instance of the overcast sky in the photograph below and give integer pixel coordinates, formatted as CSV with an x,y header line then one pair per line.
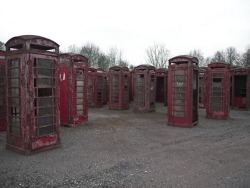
x,y
132,25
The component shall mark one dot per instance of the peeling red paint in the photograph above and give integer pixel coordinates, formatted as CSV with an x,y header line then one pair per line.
x,y
73,88
119,88
144,88
95,86
218,97
33,92
183,91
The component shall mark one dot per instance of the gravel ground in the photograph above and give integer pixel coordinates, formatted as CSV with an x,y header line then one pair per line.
x,y
127,149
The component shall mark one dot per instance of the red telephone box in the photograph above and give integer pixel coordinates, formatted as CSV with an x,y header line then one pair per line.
x,y
119,88
3,121
218,90
73,70
33,94
202,86
240,85
161,85
183,91
144,88
95,86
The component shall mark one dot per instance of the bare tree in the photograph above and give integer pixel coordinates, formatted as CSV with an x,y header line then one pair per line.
x,y
246,57
92,52
198,54
208,60
115,58
157,55
232,56
103,61
2,46
112,56
74,49
219,56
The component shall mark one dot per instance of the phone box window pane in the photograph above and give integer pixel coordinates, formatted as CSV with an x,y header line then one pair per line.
x,y
13,92
180,84
44,92
45,121
14,102
44,83
45,63
179,96
79,107
13,82
45,111
216,108
13,63
80,77
180,72
79,113
79,95
79,89
14,73
43,102
217,75
179,108
179,102
14,121
80,83
79,101
14,130
179,90
43,131
179,78
179,114
45,73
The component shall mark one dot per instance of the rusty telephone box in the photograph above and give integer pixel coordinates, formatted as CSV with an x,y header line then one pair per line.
x,y
217,104
95,86
33,94
73,70
161,85
202,86
183,91
119,88
240,88
3,121
144,88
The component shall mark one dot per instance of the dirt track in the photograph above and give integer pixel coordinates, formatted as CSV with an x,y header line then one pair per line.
x,y
127,149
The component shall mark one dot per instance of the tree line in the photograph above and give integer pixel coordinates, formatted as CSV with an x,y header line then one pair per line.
x,y
98,58
156,55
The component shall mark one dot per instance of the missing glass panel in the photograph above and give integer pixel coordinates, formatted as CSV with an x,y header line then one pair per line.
x,y
44,92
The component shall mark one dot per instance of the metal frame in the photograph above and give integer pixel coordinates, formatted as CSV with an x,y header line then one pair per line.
x,y
161,85
217,105
3,121
183,91
73,89
144,88
95,86
240,88
33,94
119,78
105,87
202,86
